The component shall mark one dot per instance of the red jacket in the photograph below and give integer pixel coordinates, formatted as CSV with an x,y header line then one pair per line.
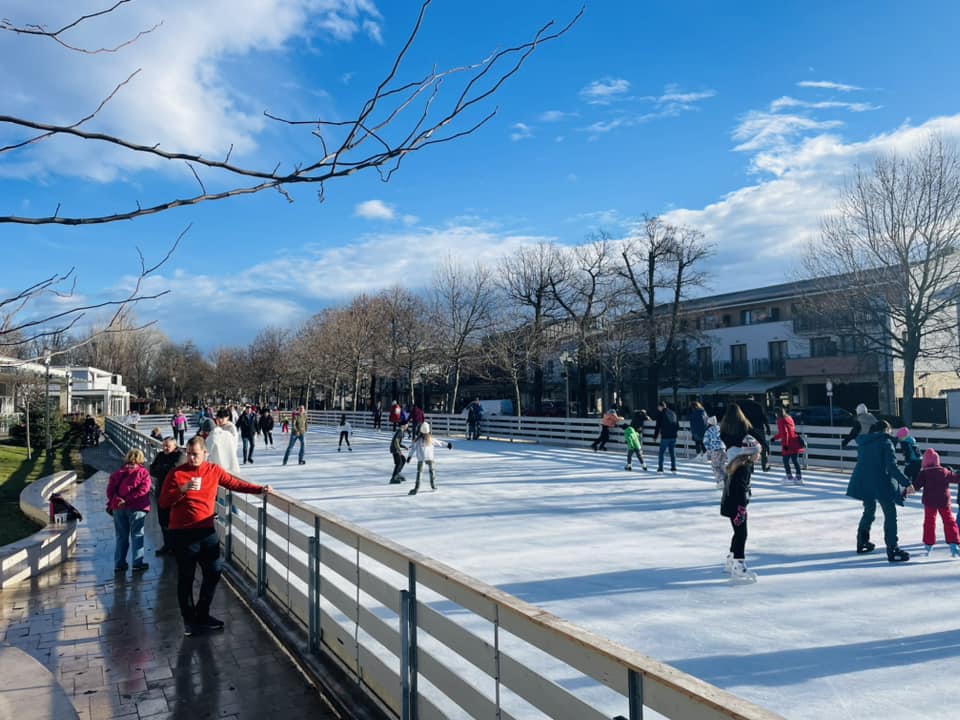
x,y
787,435
197,508
935,482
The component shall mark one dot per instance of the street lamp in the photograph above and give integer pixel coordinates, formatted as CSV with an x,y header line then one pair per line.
x,y
173,379
830,400
564,359
46,404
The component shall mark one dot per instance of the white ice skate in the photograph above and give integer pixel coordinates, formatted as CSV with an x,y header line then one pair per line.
x,y
628,466
728,563
740,574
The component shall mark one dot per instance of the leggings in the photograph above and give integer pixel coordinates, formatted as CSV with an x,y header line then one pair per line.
x,y
796,463
738,543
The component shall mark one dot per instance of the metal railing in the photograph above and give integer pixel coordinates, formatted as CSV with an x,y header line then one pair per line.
x,y
427,641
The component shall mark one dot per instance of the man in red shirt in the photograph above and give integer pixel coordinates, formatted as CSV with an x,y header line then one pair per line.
x,y
190,493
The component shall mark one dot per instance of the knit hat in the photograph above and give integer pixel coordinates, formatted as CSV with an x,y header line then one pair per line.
x,y
207,425
902,433
711,420
930,459
748,446
862,409
425,428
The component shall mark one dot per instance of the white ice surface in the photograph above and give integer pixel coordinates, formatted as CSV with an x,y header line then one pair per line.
x,y
636,557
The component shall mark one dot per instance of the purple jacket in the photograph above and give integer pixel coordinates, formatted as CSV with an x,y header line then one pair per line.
x,y
132,483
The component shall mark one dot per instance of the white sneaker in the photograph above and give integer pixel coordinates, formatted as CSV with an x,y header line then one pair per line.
x,y
740,573
728,563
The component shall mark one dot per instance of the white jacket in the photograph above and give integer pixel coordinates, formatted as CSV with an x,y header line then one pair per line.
x,y
345,428
222,448
424,450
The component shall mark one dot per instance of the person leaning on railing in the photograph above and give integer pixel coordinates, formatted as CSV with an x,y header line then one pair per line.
x,y
190,493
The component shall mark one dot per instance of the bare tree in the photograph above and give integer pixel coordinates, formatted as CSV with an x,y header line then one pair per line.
x,y
409,335
400,117
525,279
894,240
267,362
581,282
463,301
661,266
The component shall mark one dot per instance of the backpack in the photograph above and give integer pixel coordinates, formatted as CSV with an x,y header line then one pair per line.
x,y
60,506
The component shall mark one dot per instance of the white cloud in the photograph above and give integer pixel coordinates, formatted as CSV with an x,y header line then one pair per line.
x,y
521,131
555,116
672,94
759,130
187,96
827,85
410,219
790,102
605,91
760,230
374,210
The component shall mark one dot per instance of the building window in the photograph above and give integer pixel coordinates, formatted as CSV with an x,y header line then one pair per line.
x,y
725,321
851,344
822,347
774,314
738,359
746,317
777,351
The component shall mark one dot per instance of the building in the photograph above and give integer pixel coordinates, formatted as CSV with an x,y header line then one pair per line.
x,y
98,392
83,390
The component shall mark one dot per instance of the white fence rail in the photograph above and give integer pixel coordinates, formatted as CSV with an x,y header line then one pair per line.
x,y
426,641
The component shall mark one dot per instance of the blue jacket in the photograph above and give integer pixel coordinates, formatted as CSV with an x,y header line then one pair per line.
x,y
876,475
698,422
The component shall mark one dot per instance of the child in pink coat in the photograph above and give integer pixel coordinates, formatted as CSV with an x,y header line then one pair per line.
x,y
935,483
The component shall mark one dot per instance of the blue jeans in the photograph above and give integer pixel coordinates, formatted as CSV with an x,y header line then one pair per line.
x,y
293,439
128,524
670,445
247,449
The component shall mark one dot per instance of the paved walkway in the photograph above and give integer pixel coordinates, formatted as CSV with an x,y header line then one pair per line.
x,y
116,643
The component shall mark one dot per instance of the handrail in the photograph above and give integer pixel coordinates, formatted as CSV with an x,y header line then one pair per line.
x,y
390,615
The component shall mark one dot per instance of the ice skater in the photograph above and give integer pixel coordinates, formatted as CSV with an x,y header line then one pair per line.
x,y
423,448
396,450
634,442
935,481
345,431
911,453
716,451
609,420
733,504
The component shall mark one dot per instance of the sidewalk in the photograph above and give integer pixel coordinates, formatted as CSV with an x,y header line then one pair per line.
x,y
116,644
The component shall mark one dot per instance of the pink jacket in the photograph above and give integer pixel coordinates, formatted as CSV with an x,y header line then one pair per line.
x,y
132,484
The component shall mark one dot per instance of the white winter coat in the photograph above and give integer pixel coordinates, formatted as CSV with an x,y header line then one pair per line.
x,y
222,448
423,448
345,428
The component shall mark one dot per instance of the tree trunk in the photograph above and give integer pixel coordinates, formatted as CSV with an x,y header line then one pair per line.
x,y
456,387
909,366
538,389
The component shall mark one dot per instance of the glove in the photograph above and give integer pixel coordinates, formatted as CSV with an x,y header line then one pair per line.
x,y
449,446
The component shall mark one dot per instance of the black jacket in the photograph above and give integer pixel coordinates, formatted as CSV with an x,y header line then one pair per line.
x,y
736,490
396,445
755,414
667,425
247,425
162,464
266,422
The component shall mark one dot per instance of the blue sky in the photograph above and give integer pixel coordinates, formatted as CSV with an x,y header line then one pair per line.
x,y
743,122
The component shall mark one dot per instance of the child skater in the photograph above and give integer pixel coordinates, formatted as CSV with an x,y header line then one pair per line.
x,y
935,482
396,450
634,441
911,453
423,448
345,430
716,451
733,504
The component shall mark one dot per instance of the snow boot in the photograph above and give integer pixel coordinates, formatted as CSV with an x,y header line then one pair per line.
x,y
928,549
739,572
895,554
863,544
728,563
954,550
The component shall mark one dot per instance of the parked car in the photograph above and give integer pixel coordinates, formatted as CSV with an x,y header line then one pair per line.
x,y
820,415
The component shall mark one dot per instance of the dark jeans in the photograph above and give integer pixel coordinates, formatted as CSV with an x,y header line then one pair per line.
x,y
194,547
601,442
293,439
344,435
796,463
248,443
671,445
268,438
698,445
178,434
889,520
398,462
738,543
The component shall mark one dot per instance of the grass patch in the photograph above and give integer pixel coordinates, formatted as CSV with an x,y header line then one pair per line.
x,y
16,472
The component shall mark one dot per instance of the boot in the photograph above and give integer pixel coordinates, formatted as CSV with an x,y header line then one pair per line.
x,y
414,490
895,554
728,563
928,548
740,573
863,543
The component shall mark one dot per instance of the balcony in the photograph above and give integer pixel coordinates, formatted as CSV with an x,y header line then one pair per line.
x,y
727,369
833,365
766,367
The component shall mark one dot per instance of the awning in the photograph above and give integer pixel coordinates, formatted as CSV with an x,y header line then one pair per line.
x,y
756,385
710,388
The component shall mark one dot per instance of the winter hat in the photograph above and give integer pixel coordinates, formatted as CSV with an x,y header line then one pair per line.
x,y
748,446
207,426
711,420
425,428
930,459
902,433
862,409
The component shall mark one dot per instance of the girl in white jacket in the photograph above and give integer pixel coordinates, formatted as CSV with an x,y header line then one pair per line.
x,y
423,448
345,430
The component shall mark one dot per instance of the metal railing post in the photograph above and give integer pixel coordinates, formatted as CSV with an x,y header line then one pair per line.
x,y
411,644
262,548
635,692
228,528
312,643
404,655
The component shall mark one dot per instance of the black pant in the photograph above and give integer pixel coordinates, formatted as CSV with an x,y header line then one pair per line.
x,y
163,518
398,462
178,434
344,435
761,438
194,547
268,438
601,442
738,543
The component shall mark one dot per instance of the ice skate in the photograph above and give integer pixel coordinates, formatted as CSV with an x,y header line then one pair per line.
x,y
787,480
728,563
740,574
644,467
895,554
798,480
628,466
954,550
863,544
928,549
